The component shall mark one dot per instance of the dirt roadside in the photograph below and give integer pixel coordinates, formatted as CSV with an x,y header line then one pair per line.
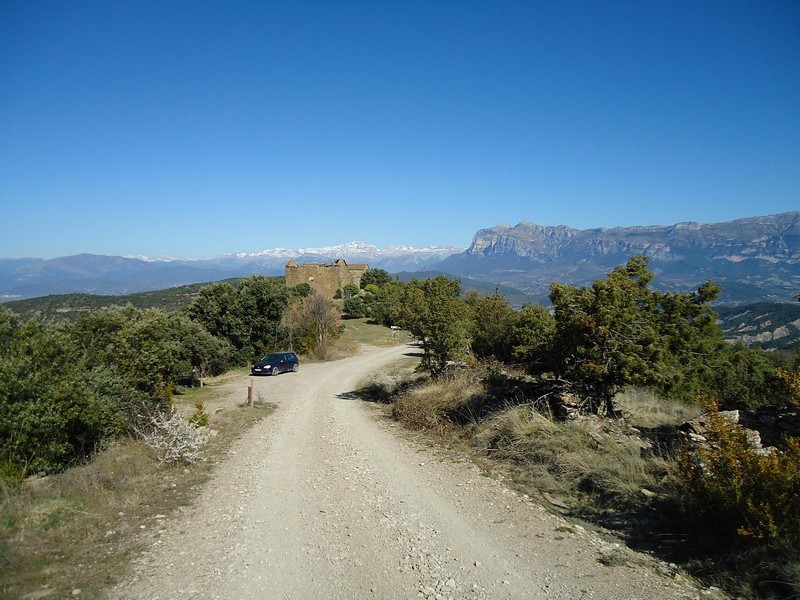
x,y
323,500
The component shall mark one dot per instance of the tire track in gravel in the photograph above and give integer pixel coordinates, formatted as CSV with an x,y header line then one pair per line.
x,y
323,500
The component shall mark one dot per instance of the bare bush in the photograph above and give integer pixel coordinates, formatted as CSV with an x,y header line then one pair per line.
x,y
175,439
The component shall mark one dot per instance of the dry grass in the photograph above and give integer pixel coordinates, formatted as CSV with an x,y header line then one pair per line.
x,y
595,464
501,440
644,409
354,334
227,376
78,530
336,350
363,332
436,404
573,459
619,474
387,383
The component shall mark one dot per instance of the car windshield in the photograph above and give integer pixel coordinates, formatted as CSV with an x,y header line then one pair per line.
x,y
270,358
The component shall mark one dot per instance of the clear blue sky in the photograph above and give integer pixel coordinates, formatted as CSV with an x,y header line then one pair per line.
x,y
198,128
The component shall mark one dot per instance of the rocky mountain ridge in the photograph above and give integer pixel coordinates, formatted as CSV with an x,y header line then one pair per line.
x,y
772,238
756,258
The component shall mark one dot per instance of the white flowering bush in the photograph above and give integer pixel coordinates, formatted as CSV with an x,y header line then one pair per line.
x,y
175,439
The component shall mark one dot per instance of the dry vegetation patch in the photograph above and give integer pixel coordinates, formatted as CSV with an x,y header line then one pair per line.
x,y
585,460
619,474
77,530
435,404
361,331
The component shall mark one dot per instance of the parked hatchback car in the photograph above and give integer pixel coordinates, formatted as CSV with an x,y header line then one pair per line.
x,y
276,363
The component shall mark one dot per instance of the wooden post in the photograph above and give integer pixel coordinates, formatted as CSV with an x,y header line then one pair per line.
x,y
250,393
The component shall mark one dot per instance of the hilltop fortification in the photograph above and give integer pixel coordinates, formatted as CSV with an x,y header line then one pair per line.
x,y
326,278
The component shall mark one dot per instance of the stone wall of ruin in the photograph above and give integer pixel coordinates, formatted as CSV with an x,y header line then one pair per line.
x,y
325,278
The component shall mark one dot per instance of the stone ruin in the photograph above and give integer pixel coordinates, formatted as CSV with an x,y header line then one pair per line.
x,y
764,427
326,278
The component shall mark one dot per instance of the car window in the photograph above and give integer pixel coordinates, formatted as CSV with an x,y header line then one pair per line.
x,y
276,358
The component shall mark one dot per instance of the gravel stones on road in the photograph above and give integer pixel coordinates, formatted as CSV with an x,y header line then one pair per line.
x,y
323,499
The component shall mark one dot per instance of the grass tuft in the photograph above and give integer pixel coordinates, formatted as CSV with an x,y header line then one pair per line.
x,y
571,458
437,404
643,408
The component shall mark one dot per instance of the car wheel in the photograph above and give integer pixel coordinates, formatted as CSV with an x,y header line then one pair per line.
x,y
275,371
295,368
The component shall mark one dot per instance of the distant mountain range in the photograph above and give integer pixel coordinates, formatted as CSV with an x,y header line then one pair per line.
x,y
754,259
117,275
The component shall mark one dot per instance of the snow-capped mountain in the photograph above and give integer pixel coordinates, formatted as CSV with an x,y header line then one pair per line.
x,y
756,258
96,274
392,259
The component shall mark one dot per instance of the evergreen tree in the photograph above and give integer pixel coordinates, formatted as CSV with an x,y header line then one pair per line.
x,y
377,277
619,332
434,312
492,321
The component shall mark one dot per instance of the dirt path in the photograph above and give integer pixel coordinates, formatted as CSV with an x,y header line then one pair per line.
x,y
324,500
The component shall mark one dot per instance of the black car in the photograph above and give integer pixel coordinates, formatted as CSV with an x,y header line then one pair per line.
x,y
275,363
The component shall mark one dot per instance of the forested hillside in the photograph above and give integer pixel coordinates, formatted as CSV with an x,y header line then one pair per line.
x,y
70,306
770,325
532,375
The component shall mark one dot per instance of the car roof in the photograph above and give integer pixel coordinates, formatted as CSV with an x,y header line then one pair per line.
x,y
277,355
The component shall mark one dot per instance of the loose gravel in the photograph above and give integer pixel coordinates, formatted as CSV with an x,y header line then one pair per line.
x,y
325,499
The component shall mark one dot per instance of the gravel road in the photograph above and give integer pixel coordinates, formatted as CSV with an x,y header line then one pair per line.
x,y
325,499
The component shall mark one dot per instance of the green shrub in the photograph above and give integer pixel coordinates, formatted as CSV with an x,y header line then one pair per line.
x,y
67,388
734,487
744,377
51,415
200,417
355,308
